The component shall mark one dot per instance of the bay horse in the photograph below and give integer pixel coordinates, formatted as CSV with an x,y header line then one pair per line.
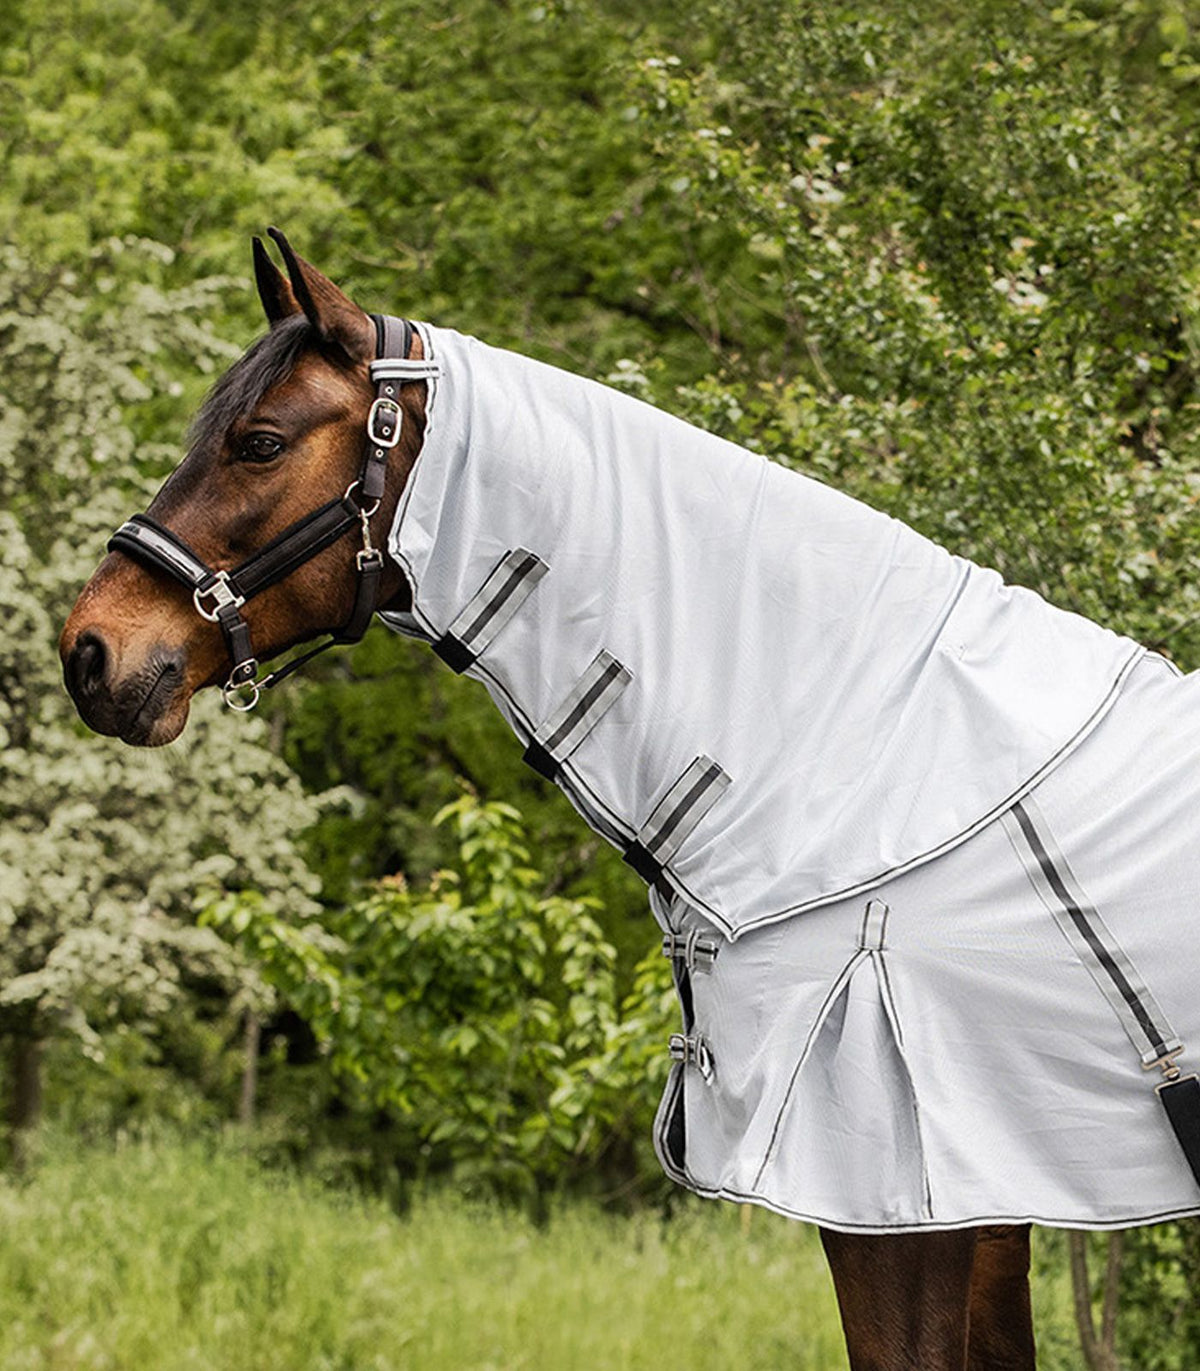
x,y
275,489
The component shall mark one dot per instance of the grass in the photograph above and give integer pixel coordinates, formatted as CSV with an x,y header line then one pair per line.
x,y
170,1257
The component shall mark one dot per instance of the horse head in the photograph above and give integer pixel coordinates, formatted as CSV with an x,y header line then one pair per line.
x,y
263,533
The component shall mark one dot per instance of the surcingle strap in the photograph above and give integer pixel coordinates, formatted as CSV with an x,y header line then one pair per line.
x,y
490,608
1181,1099
586,703
674,817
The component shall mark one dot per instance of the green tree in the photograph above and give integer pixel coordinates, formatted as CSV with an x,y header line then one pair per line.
x,y
100,847
980,247
481,1014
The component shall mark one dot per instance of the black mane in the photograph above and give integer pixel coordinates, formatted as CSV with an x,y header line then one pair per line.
x,y
268,361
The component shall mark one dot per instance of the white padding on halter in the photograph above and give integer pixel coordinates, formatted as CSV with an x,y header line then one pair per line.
x,y
405,369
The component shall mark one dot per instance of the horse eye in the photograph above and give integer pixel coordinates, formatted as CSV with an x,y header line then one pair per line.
x,y
259,447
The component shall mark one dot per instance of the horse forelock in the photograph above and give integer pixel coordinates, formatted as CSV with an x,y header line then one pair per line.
x,y
266,363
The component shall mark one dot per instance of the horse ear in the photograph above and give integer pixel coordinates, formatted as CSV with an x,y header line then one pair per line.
x,y
339,322
278,299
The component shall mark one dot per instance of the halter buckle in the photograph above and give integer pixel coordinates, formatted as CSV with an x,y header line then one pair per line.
x,y
223,594
384,421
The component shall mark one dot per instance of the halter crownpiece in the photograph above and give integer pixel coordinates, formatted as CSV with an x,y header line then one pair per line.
x,y
219,594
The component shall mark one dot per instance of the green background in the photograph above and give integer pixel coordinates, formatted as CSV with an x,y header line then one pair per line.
x,y
946,258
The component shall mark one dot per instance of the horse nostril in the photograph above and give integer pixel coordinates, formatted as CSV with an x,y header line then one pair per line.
x,y
86,665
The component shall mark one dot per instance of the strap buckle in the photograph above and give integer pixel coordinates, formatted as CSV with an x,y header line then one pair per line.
x,y
384,421
692,1050
1168,1065
223,595
697,953
368,555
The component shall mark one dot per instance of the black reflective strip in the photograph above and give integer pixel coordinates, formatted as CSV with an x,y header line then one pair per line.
x,y
406,369
151,545
456,656
702,785
513,574
1079,918
647,866
297,544
542,761
585,705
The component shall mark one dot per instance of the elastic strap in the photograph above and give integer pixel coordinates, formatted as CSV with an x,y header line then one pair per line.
x,y
675,816
508,586
591,697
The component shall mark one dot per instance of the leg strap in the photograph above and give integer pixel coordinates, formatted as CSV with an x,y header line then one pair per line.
x,y
1181,1099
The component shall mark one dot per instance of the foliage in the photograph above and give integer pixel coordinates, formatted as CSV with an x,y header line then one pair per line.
x,y
100,849
394,725
977,233
979,241
944,257
1159,1327
479,1012
481,168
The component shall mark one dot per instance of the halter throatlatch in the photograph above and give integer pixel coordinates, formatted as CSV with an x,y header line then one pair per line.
x,y
219,594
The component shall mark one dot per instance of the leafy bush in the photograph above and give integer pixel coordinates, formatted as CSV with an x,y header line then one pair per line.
x,y
480,1014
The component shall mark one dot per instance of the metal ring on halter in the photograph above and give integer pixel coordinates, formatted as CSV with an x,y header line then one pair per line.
x,y
236,700
364,513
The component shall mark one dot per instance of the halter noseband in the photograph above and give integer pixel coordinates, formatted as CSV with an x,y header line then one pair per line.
x,y
219,595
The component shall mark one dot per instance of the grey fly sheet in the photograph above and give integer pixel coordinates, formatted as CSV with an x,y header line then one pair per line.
x,y
918,841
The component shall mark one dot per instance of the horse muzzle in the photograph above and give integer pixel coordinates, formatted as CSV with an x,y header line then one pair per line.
x,y
145,707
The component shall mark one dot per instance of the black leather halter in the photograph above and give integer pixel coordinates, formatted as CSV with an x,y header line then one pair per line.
x,y
220,594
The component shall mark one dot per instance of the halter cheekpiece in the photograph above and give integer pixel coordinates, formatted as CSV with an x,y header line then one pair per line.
x,y
219,594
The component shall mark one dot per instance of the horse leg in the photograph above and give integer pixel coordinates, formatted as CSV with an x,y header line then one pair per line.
x,y
1001,1321
904,1298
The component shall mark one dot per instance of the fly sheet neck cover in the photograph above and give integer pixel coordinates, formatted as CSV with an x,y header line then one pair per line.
x,y
765,692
